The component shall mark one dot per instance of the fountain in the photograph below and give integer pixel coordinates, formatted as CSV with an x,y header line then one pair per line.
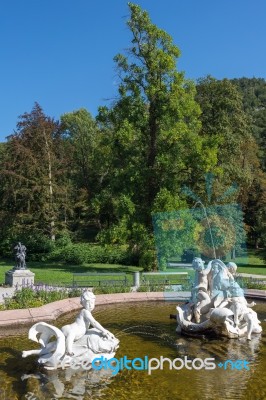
x,y
65,367
217,304
143,329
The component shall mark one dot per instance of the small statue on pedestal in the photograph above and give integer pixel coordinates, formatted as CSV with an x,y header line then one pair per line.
x,y
20,256
19,276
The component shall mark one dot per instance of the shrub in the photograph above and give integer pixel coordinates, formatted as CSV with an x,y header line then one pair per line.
x,y
152,288
38,245
24,298
143,288
111,289
251,283
256,285
148,260
29,297
189,255
80,253
63,240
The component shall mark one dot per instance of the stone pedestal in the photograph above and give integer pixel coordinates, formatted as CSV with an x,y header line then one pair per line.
x,y
136,280
19,277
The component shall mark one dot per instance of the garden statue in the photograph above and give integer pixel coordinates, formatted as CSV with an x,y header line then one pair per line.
x,y
74,344
217,303
19,276
20,256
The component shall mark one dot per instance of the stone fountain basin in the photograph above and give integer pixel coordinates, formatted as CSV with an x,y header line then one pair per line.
x,y
144,329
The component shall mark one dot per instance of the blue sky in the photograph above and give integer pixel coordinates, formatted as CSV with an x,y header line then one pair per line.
x,y
60,52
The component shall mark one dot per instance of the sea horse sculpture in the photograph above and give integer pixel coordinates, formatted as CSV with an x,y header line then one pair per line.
x,y
74,343
217,304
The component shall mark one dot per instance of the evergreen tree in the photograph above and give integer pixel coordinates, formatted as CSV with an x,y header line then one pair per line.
x,y
34,176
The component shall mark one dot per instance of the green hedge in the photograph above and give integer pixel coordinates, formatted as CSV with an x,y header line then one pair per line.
x,y
38,246
87,253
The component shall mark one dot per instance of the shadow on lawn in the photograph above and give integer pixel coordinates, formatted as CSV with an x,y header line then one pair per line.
x,y
257,266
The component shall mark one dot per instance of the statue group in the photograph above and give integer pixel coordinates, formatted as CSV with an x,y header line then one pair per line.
x,y
217,303
73,344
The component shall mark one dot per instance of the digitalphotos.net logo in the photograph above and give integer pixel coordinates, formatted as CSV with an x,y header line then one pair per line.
x,y
212,227
151,364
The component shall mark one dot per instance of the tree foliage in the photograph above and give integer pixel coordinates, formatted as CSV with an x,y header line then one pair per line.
x,y
34,176
106,177
253,91
153,127
224,119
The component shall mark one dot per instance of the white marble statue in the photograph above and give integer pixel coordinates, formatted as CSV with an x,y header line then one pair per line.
x,y
200,295
217,303
74,344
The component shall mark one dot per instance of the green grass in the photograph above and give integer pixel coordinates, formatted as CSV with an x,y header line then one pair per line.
x,y
254,263
60,273
252,269
254,257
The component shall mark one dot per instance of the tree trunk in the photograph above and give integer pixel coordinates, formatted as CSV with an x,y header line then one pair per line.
x,y
152,152
50,184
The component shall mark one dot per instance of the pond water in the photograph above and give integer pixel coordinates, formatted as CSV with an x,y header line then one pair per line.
x,y
144,330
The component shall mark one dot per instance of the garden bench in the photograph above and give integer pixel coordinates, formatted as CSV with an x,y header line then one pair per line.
x,y
158,279
95,279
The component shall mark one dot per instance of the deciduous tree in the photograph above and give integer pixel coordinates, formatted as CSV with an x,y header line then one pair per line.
x,y
153,127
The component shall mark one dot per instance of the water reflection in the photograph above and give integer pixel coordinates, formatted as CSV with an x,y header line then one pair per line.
x,y
80,384
69,383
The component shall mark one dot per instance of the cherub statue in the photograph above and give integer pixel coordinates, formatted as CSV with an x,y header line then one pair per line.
x,y
200,298
75,343
77,329
201,273
245,319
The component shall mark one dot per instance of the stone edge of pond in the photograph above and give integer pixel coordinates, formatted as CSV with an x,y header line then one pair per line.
x,y
12,321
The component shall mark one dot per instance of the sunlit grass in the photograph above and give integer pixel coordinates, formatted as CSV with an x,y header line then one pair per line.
x,y
59,273
62,274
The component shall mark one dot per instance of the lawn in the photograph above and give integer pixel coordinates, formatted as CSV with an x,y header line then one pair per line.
x,y
254,263
62,274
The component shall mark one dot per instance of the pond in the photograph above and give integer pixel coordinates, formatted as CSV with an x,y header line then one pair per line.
x,y
144,329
